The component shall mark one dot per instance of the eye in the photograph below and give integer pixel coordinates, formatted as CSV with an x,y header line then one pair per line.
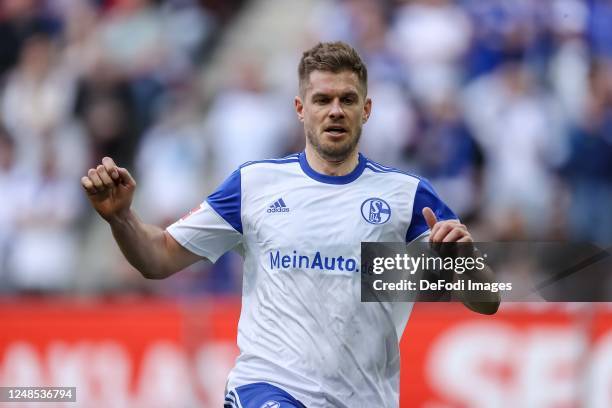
x,y
322,100
348,100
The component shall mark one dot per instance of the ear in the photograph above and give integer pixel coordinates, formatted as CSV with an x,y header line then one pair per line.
x,y
299,108
367,109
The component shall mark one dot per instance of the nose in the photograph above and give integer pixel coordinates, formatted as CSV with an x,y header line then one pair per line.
x,y
335,111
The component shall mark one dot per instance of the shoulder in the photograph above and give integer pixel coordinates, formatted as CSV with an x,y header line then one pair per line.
x,y
257,173
269,163
422,191
381,171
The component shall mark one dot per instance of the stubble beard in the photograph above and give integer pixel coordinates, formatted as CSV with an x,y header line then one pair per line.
x,y
334,152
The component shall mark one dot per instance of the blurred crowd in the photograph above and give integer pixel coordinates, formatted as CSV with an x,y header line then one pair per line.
x,y
504,105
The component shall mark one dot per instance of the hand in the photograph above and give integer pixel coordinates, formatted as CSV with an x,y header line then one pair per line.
x,y
445,234
445,231
451,232
110,189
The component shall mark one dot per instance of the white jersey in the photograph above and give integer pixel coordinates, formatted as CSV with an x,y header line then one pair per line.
x,y
302,326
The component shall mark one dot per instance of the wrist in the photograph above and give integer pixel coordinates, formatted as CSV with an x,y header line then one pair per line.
x,y
121,218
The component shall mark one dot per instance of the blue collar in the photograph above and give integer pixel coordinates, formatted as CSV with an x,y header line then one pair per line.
x,y
324,178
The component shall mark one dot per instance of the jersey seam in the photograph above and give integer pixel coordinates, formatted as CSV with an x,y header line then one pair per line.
x,y
186,243
226,221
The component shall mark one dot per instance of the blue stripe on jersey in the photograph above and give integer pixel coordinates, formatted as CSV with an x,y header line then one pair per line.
x,y
226,201
425,196
374,169
324,178
379,168
293,158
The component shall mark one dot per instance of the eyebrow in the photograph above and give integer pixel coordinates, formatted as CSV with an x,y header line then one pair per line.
x,y
343,94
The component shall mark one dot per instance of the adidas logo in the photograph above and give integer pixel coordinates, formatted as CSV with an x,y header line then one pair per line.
x,y
278,206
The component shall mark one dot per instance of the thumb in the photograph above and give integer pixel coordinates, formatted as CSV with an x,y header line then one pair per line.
x,y
430,217
126,177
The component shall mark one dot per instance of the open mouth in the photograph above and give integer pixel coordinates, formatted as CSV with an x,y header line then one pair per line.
x,y
336,130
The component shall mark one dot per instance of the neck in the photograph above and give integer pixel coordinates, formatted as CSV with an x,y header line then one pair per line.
x,y
329,167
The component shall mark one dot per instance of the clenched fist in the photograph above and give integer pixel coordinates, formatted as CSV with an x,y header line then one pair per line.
x,y
110,189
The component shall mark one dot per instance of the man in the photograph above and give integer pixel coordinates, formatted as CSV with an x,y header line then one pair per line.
x,y
305,338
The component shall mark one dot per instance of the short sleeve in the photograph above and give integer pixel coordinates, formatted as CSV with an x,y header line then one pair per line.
x,y
425,196
215,226
226,201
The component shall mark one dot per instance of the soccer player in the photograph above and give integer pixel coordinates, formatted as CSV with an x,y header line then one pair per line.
x,y
305,338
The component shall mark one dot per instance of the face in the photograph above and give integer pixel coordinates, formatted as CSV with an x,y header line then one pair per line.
x,y
333,108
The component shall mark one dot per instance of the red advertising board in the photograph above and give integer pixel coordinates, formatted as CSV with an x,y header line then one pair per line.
x,y
132,353
155,353
527,355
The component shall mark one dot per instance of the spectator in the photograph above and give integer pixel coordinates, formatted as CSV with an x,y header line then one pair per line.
x,y
44,245
569,63
431,36
388,134
10,180
519,129
588,170
37,99
173,153
19,19
246,122
105,106
448,155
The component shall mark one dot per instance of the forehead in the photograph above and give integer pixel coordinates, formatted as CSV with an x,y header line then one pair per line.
x,y
327,82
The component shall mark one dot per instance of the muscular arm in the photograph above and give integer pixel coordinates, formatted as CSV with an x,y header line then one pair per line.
x,y
449,231
148,248
485,302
